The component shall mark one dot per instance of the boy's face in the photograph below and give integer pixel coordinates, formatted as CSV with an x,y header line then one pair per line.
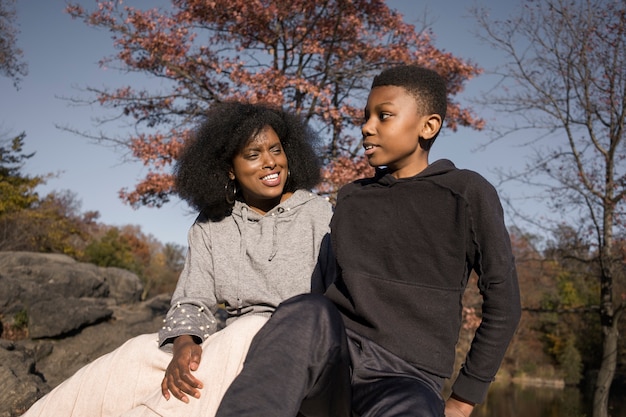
x,y
392,130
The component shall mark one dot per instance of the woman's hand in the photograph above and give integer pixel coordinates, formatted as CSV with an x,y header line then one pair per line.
x,y
455,407
178,378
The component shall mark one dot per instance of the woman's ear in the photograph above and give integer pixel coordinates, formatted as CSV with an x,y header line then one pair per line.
x,y
231,174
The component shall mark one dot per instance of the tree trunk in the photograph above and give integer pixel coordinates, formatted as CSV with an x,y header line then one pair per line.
x,y
607,368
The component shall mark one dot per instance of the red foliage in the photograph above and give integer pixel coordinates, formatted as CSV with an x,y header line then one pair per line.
x,y
315,57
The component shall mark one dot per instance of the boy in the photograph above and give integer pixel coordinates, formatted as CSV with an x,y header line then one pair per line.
x,y
405,242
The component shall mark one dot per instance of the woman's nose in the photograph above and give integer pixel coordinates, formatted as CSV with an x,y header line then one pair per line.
x,y
269,161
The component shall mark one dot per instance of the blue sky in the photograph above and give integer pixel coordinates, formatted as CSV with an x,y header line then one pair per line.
x,y
62,56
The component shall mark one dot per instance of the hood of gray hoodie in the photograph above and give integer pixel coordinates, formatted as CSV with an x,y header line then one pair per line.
x,y
247,219
251,262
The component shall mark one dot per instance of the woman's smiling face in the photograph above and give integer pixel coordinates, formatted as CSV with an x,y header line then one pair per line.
x,y
261,171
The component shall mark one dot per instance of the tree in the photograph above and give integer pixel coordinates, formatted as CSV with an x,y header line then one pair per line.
x,y
114,249
29,222
17,191
166,264
11,64
315,57
528,354
53,224
157,265
566,74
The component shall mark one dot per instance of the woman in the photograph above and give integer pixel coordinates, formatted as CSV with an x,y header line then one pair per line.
x,y
260,238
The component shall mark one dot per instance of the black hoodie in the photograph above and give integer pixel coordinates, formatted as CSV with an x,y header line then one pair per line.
x,y
405,249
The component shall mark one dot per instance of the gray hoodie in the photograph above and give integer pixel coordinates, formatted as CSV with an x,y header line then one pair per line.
x,y
250,263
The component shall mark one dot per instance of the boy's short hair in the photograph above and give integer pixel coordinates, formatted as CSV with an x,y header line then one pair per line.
x,y
425,85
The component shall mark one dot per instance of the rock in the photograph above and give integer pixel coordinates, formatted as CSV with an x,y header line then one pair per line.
x,y
21,386
124,286
59,316
76,312
58,359
28,278
160,304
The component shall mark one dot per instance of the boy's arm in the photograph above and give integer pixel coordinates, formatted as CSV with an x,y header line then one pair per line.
x,y
501,309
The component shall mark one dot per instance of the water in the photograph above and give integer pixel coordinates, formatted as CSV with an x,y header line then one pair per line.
x,y
525,401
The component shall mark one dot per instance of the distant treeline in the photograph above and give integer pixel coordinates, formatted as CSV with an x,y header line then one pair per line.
x,y
54,223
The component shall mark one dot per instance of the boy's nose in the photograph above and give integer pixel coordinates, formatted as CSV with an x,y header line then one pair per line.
x,y
366,130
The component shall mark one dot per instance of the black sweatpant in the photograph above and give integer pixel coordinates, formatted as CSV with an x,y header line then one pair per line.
x,y
302,363
298,361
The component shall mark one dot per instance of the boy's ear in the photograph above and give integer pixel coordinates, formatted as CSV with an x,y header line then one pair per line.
x,y
431,126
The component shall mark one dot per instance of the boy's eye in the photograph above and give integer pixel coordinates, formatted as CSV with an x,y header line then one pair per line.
x,y
383,116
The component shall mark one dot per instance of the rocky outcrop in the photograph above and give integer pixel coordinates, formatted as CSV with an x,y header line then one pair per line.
x,y
56,315
21,385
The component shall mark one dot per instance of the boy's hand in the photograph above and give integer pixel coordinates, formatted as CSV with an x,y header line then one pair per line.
x,y
178,378
455,407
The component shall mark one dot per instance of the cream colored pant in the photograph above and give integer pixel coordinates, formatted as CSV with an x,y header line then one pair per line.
x,y
127,381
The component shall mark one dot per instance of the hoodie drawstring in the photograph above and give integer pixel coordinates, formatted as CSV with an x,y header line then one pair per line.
x,y
242,254
275,235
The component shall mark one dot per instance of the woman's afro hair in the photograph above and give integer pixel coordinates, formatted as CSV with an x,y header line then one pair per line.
x,y
201,171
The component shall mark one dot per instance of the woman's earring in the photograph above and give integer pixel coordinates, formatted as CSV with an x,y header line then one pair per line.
x,y
231,191
288,177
